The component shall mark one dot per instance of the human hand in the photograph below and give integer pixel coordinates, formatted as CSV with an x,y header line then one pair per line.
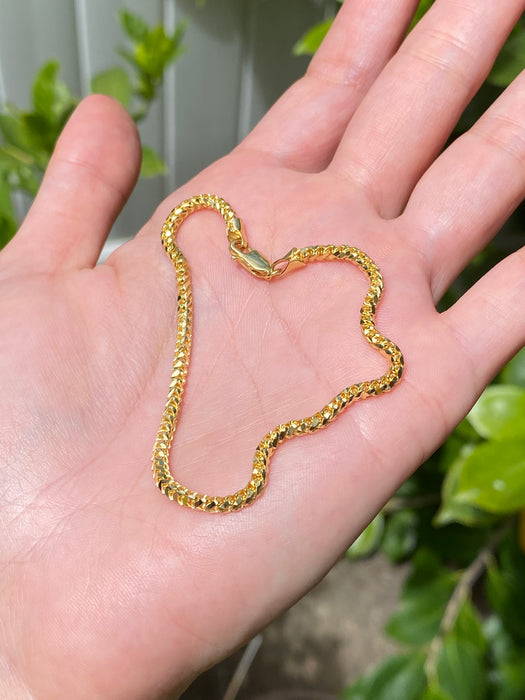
x,y
108,589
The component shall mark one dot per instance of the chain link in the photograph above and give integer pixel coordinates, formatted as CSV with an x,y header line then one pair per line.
x,y
296,257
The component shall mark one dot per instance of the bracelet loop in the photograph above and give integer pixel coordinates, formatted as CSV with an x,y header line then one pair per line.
x,y
259,266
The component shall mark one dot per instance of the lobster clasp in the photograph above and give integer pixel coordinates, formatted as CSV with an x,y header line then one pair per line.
x,y
258,265
253,261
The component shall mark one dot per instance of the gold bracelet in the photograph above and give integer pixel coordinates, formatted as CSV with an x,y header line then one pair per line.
x,y
259,266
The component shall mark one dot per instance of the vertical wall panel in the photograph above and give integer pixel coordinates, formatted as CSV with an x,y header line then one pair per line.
x,y
32,32
207,84
247,80
275,27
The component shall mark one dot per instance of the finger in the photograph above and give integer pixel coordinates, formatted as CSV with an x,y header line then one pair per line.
x,y
89,178
304,127
488,321
416,102
473,187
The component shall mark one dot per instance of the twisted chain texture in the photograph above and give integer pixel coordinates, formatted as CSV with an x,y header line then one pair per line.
x,y
285,431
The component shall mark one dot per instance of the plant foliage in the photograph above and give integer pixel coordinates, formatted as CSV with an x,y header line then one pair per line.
x,y
27,138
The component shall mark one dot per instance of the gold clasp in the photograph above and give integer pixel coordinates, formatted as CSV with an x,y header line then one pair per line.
x,y
258,265
252,261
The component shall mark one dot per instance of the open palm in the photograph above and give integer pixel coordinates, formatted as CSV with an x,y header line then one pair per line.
x,y
107,588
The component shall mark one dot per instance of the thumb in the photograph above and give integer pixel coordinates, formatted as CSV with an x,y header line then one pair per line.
x,y
90,176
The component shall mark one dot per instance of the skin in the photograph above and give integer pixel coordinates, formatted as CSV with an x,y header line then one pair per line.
x,y
108,589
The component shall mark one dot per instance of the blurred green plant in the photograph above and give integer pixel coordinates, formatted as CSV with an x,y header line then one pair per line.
x,y
460,520
28,137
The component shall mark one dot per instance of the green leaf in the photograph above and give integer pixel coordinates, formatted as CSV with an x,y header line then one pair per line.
x,y
133,25
511,59
152,164
43,135
30,133
434,692
460,670
469,627
454,510
8,223
7,229
151,52
158,50
418,615
308,44
493,477
465,432
505,585
15,166
6,205
398,678
499,412
369,540
114,82
51,97
14,131
514,372
13,157
400,538
358,690
509,678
